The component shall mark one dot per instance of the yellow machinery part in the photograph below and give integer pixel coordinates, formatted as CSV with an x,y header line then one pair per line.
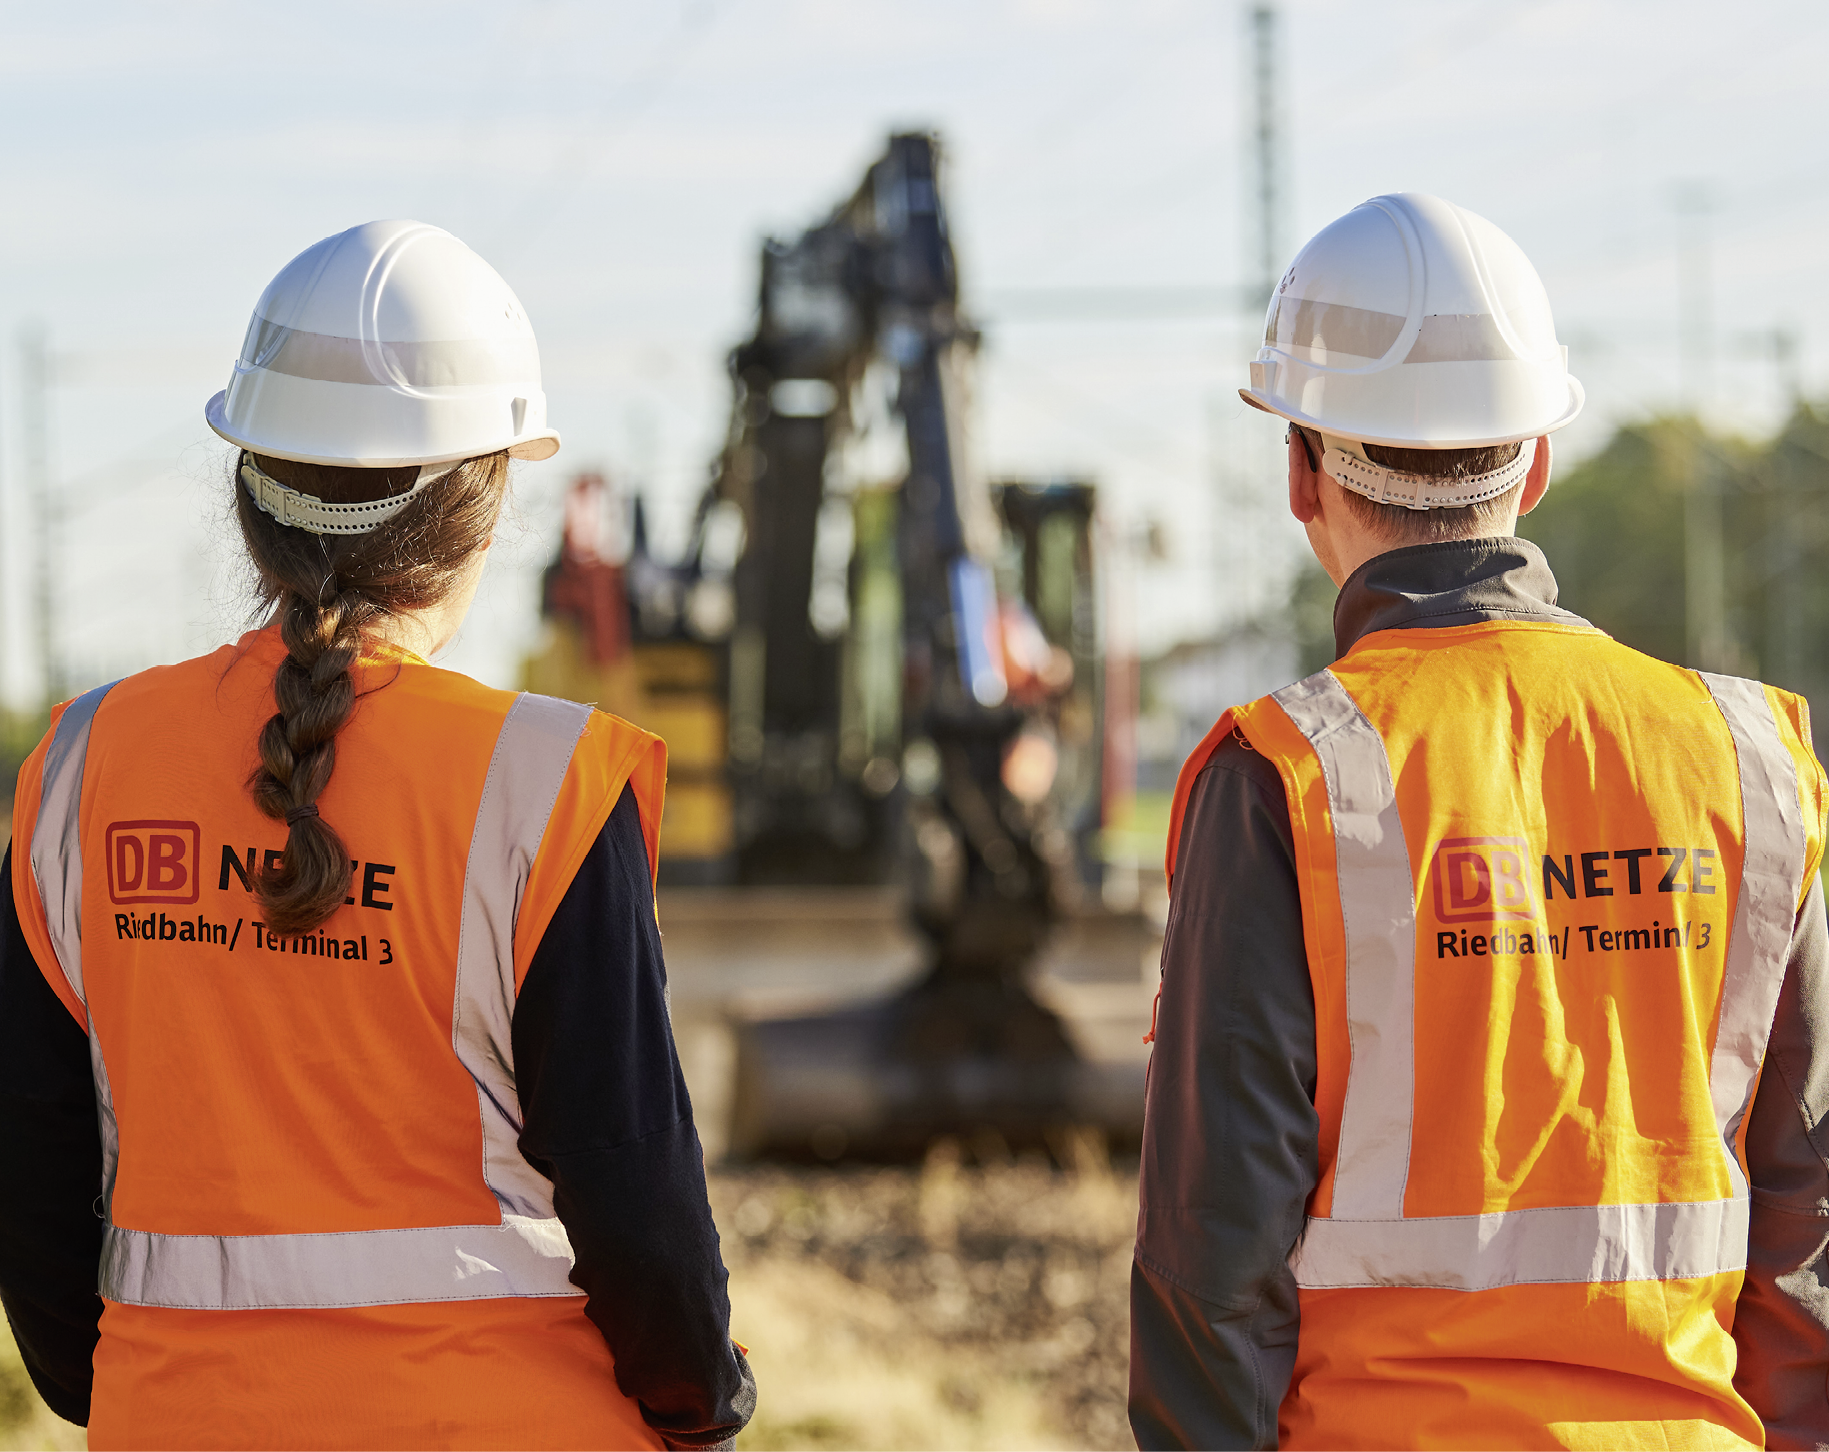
x,y
696,820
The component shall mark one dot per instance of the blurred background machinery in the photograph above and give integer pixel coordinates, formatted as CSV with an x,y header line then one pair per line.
x,y
881,682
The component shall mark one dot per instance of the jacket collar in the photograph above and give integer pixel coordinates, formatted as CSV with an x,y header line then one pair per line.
x,y
1455,582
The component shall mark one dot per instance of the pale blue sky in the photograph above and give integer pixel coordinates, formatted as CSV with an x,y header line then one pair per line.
x,y
618,163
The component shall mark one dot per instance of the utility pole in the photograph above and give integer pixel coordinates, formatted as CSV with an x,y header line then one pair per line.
x,y
5,535
1784,360
1784,660
1704,566
1246,463
1695,296
34,401
1264,145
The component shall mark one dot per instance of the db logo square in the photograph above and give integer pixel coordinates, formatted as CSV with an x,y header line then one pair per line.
x,y
1481,879
153,861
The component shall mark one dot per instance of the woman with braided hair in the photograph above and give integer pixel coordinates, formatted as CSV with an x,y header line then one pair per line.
x,y
337,1087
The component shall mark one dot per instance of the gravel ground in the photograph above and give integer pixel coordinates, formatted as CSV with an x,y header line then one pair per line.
x,y
975,1301
25,1421
972,1301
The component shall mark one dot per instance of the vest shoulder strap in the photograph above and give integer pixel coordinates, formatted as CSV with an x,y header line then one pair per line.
x,y
608,754
48,874
1792,714
1184,787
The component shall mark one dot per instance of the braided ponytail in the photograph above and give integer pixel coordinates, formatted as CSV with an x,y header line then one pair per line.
x,y
325,592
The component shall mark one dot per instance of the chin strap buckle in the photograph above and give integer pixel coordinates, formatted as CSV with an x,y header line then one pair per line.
x,y
307,512
1349,466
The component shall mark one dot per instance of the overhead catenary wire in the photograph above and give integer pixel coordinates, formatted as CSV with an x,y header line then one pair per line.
x,y
1618,108
1086,102
1405,64
577,164
1411,61
1147,445
35,403
6,614
1109,302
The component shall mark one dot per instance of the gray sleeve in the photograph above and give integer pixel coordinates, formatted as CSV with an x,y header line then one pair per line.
x,y
1230,1131
1781,1323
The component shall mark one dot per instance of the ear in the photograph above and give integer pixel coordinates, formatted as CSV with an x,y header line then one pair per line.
x,y
1538,479
1304,482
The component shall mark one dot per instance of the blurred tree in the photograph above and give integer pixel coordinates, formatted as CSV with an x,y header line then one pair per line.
x,y
19,734
1613,530
1311,616
1786,563
1616,526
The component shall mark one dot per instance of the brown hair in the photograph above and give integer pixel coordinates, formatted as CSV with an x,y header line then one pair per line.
x,y
1430,526
324,592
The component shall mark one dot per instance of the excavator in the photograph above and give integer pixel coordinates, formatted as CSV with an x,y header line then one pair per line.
x,y
873,666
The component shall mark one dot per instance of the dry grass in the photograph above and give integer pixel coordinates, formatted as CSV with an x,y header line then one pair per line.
x,y
25,1421
957,1305
952,1306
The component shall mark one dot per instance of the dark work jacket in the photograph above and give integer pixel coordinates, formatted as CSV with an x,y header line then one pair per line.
x,y
605,1116
1229,1151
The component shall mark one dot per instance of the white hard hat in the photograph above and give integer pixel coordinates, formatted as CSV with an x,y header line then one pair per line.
x,y
1413,323
387,345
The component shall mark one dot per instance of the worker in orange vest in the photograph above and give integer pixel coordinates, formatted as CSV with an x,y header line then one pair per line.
x,y
1490,1052
342,1103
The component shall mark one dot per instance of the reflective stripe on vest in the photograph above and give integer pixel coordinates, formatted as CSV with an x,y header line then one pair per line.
x,y
57,869
525,1253
1368,1241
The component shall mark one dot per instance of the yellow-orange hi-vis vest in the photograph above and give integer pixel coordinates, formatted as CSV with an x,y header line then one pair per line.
x,y
320,1231
1548,886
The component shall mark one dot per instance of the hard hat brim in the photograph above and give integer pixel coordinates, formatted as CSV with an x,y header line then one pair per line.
x,y
1264,403
532,446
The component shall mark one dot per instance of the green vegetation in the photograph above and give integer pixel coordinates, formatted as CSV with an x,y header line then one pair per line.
x,y
1138,829
1618,527
25,1421
19,733
980,1300
1311,615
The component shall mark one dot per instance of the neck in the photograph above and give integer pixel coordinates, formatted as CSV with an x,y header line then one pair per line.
x,y
430,628
1342,542
424,632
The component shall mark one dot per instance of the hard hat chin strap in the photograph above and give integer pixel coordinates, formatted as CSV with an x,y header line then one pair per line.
x,y
1346,461
307,512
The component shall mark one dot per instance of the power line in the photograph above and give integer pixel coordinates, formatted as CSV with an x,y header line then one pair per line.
x,y
1408,62
5,535
1085,101
1118,302
1147,445
578,163
34,391
1265,153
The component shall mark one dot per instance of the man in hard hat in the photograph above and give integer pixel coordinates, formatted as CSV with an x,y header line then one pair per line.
x,y
1485,1095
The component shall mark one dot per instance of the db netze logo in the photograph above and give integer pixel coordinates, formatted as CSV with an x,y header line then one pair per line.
x,y
153,861
1478,879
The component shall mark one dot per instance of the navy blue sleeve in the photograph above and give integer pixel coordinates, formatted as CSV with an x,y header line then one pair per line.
x,y
606,1117
1781,1323
1231,1133
50,1176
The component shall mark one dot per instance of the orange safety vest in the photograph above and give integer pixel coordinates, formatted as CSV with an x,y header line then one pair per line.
x,y
1548,888
320,1231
